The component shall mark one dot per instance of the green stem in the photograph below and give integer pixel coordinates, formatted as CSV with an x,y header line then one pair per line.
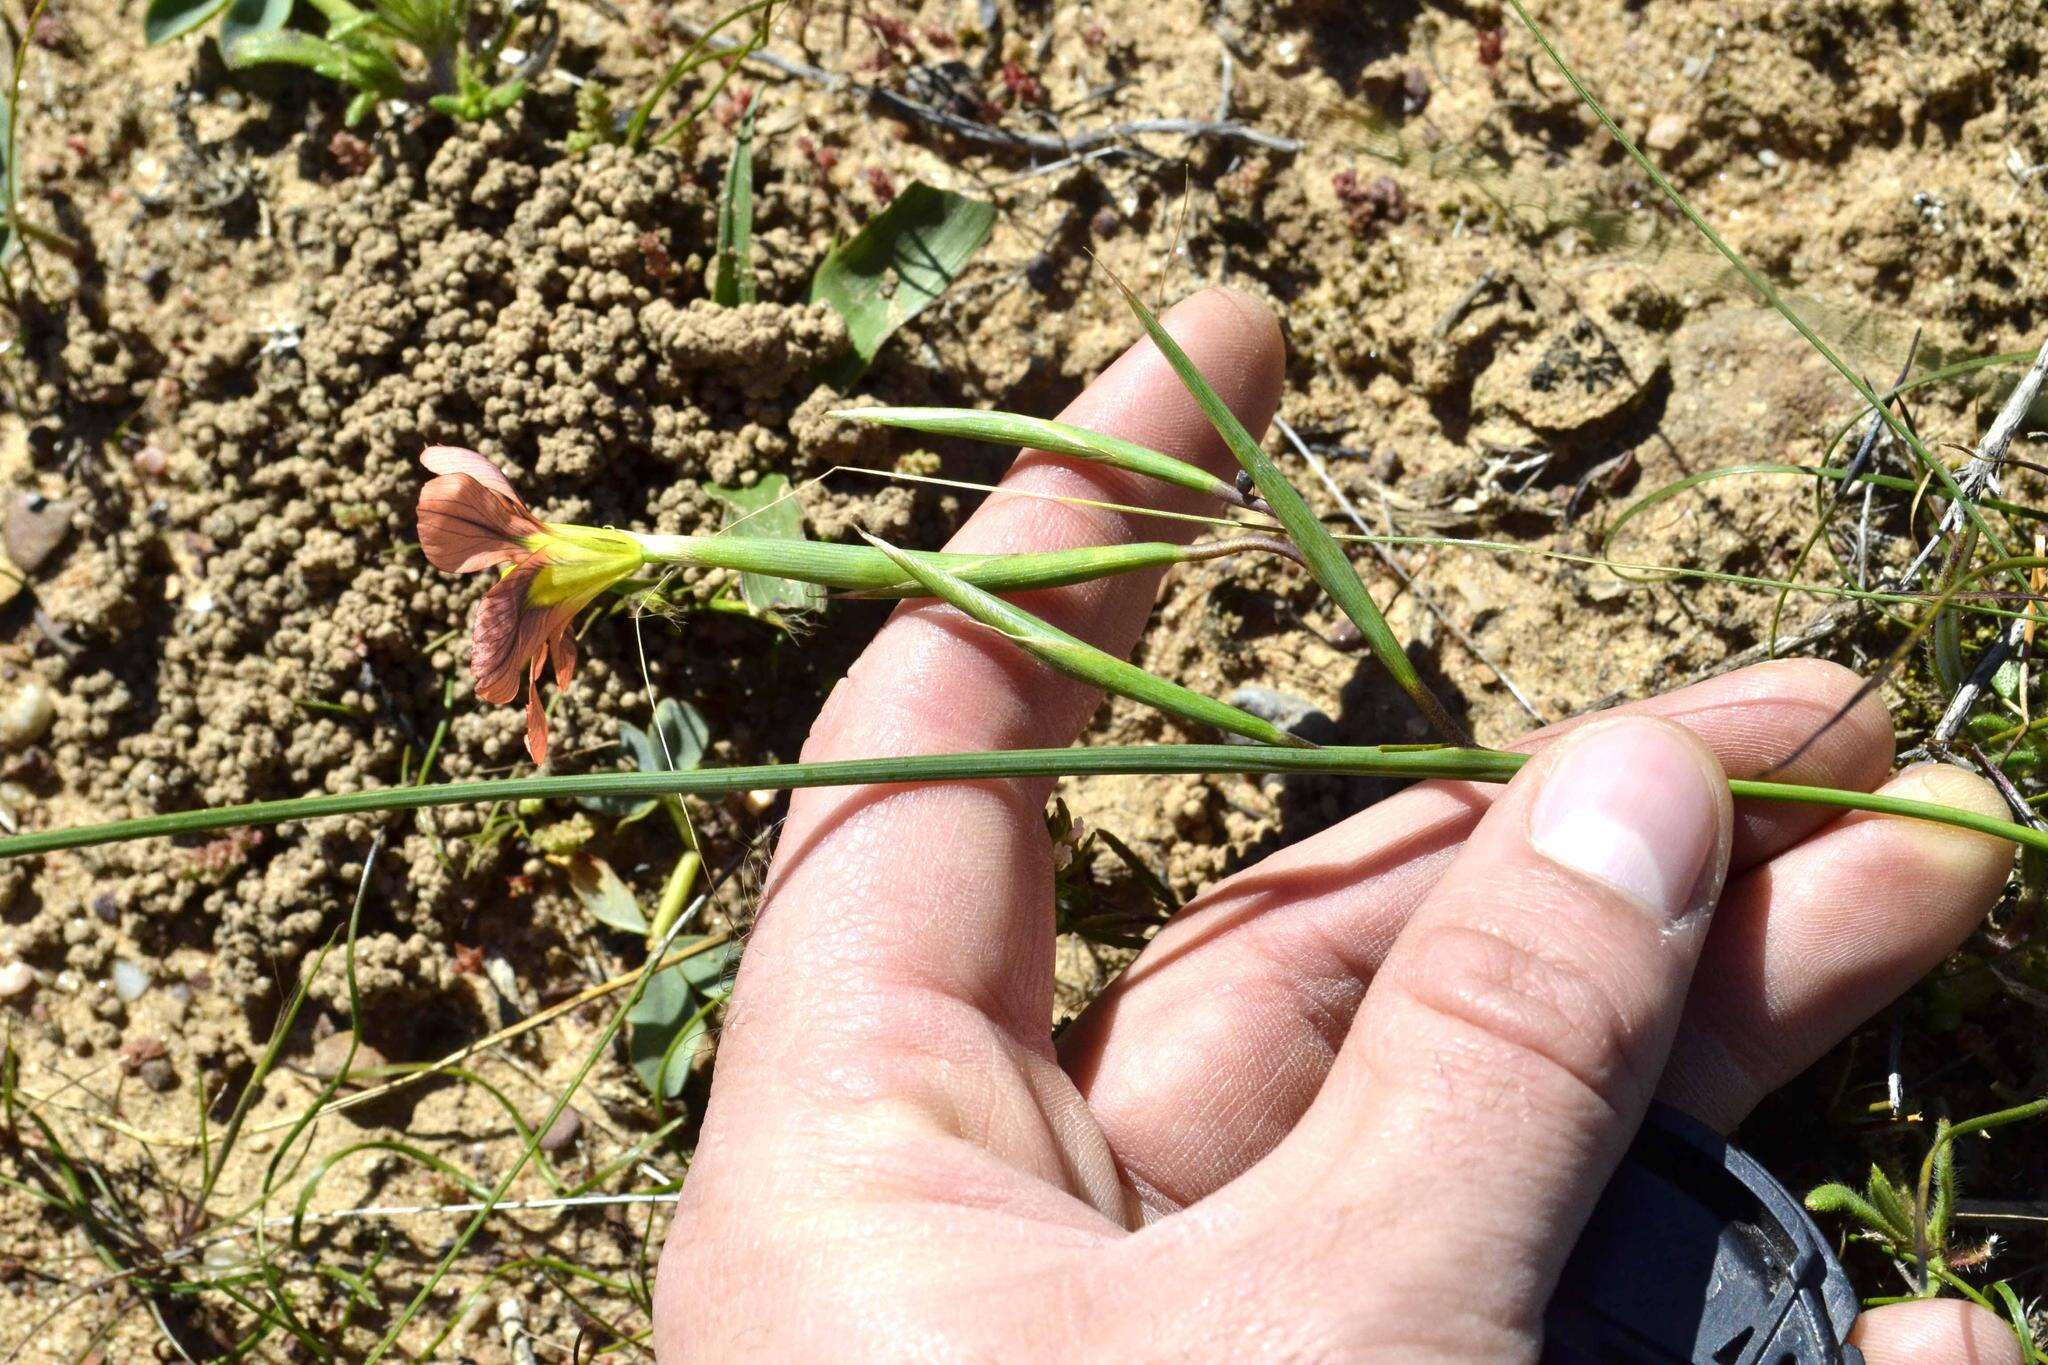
x,y
867,570
1396,761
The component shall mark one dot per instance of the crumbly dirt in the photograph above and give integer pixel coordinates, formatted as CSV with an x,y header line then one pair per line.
x,y
216,400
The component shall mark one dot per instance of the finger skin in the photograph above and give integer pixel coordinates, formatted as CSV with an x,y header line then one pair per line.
x,y
901,966
1506,1052
1202,1056
1827,934
1934,1332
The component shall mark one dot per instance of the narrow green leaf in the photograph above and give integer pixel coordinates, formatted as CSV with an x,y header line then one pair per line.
x,y
1840,1199
897,265
1941,1210
768,511
733,284
1078,659
600,891
2017,1319
10,183
168,19
1326,559
246,18
1054,438
1885,1198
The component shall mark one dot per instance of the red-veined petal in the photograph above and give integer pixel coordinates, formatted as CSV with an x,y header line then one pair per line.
x,y
509,635
456,460
464,526
536,716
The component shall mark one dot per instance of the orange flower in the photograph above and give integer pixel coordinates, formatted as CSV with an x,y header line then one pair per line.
x,y
471,519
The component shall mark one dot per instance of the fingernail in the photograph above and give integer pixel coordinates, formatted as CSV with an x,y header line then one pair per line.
x,y
1631,803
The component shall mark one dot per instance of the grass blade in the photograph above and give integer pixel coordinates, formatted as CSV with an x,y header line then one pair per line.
x,y
1325,558
1078,659
1054,438
1404,762
734,282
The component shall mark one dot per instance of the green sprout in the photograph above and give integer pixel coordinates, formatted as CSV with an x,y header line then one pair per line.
x,y
434,53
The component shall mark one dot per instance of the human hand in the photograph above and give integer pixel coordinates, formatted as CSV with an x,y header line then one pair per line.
x,y
1357,1100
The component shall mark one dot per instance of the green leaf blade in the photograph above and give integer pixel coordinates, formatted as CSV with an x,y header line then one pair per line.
x,y
897,266
769,510
166,20
605,895
733,281
1080,660
1326,559
1054,438
247,18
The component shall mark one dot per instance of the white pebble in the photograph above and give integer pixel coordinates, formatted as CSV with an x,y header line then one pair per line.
x,y
26,714
15,978
130,980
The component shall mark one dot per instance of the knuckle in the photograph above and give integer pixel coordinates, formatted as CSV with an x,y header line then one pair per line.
x,y
1514,1010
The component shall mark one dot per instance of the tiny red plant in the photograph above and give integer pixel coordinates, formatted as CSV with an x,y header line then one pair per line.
x,y
1369,204
1023,88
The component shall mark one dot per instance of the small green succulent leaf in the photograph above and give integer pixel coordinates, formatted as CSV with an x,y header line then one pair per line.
x,y
165,20
605,895
2006,681
706,969
247,18
676,742
897,266
672,1014
656,1024
769,510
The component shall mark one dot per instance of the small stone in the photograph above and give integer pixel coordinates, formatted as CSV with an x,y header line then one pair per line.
x,y
1414,91
16,978
26,714
34,528
562,1131
158,1075
1667,131
143,1047
331,1055
129,979
1298,716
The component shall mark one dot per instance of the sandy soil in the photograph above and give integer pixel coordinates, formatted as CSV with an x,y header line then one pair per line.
x,y
214,407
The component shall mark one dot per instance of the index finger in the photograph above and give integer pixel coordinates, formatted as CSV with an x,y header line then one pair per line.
x,y
903,922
